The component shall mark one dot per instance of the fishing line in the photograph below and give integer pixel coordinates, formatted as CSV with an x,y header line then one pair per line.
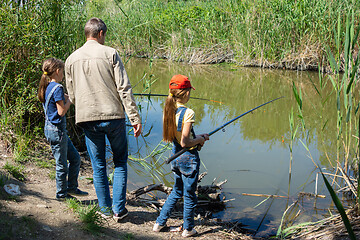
x,y
219,128
165,95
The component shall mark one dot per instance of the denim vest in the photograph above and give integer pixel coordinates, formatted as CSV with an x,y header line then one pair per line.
x,y
189,161
51,129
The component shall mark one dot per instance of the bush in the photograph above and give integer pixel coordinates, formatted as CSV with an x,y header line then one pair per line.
x,y
30,33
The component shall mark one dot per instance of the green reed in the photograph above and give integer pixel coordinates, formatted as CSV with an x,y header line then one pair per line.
x,y
283,33
29,34
89,215
344,88
262,33
17,171
293,131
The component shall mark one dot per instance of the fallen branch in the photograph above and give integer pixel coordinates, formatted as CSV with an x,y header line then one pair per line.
x,y
279,196
208,196
311,195
263,195
159,187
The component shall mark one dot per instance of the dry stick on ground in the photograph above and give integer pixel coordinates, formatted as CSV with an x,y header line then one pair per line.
x,y
348,181
311,195
329,227
351,182
279,196
152,187
263,195
208,195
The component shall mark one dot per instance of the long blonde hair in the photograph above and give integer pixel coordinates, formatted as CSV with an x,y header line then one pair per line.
x,y
169,124
50,66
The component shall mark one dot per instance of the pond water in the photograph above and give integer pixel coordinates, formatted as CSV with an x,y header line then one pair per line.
x,y
252,154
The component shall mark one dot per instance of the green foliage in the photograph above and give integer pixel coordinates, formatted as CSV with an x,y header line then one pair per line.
x,y
152,164
52,174
280,32
29,34
73,205
129,236
3,179
346,95
340,208
30,223
15,171
88,215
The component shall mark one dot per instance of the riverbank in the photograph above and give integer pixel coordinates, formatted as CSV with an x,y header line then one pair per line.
x,y
35,214
274,34
269,34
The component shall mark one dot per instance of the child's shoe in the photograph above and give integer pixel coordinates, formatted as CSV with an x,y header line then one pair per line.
x,y
157,227
186,233
176,229
118,216
105,216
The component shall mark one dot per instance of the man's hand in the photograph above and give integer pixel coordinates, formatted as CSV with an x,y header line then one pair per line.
x,y
137,129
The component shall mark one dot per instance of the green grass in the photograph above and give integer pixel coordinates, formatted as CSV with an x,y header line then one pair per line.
x,y
15,170
30,223
50,28
88,215
129,236
262,32
44,164
52,174
345,162
3,179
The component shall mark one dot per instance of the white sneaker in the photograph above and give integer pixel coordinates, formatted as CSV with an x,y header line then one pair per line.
x,y
118,216
187,233
103,215
157,227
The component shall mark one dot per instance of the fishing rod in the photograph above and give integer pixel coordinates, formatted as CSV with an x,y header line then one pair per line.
x,y
164,95
219,128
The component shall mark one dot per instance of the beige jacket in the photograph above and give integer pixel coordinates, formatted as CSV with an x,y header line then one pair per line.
x,y
98,85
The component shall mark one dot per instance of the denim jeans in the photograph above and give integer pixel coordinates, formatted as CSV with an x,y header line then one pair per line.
x,y
186,173
115,131
63,150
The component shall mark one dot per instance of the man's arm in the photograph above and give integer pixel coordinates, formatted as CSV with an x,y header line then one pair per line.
x,y
125,92
69,82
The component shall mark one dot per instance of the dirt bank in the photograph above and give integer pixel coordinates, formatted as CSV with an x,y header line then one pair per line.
x,y
37,215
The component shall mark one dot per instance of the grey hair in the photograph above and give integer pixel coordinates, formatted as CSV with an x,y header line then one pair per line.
x,y
94,26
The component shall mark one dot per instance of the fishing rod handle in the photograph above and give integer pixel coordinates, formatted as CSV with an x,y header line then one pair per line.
x,y
176,155
182,151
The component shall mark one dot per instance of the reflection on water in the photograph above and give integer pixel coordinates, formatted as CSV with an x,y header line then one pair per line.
x,y
253,152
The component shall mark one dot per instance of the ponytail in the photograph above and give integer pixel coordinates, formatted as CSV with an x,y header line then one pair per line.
x,y
50,65
42,87
169,124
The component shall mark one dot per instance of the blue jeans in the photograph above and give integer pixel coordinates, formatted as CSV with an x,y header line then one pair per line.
x,y
115,131
63,150
186,173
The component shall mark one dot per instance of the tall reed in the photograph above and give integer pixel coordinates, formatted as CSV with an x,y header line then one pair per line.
x,y
344,55
31,32
267,33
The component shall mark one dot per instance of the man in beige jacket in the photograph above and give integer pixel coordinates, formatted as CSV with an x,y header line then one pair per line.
x,y
99,87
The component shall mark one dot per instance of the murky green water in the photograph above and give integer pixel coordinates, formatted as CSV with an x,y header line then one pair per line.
x,y
253,153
